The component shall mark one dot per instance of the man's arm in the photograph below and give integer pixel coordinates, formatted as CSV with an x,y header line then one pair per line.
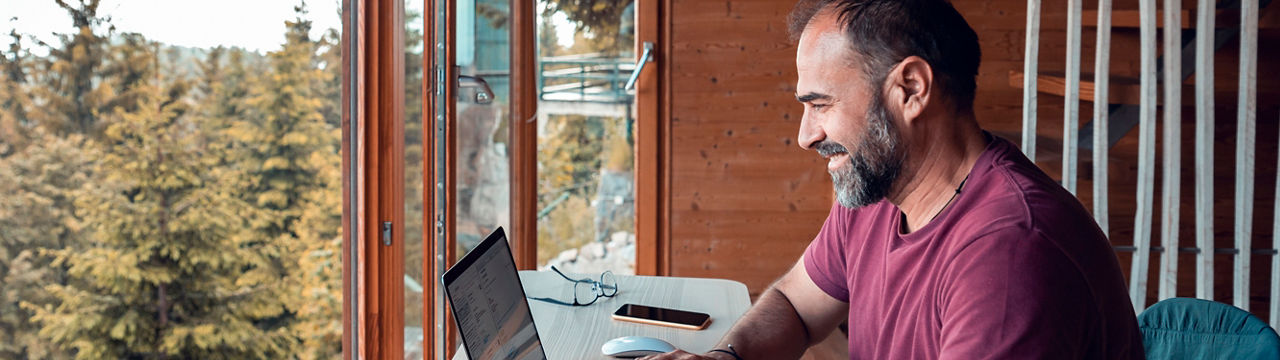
x,y
790,316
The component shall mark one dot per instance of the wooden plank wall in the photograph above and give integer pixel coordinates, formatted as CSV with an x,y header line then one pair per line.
x,y
745,200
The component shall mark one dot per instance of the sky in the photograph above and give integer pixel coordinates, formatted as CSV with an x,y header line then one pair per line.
x,y
256,25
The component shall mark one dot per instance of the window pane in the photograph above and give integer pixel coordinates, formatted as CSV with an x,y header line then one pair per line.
x,y
413,182
171,184
586,137
483,173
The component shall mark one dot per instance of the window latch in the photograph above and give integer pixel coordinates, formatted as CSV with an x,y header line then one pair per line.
x,y
386,233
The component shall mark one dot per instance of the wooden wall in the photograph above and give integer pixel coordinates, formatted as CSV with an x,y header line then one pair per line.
x,y
746,201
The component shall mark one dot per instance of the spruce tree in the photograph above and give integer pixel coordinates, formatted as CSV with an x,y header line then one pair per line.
x,y
283,127
36,216
14,100
73,92
168,271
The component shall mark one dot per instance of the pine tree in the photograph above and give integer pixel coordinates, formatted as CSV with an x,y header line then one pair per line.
x,y
36,216
317,268
14,100
283,127
73,92
168,271
286,147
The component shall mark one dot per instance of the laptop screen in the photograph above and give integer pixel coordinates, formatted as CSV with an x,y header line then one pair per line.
x,y
488,303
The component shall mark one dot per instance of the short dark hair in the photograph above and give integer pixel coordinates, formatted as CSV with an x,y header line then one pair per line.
x,y
883,32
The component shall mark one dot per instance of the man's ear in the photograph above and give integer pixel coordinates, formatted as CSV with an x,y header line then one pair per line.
x,y
910,85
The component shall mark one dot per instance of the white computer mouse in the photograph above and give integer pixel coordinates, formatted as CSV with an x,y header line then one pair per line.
x,y
635,346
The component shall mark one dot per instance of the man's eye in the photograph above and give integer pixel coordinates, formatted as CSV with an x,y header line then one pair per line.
x,y
819,106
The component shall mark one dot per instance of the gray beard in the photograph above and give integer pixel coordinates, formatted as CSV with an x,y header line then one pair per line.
x,y
871,171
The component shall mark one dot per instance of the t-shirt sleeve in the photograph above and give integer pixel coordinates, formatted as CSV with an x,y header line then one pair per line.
x,y
824,260
1013,295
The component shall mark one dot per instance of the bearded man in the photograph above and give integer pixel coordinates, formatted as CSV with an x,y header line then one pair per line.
x,y
945,241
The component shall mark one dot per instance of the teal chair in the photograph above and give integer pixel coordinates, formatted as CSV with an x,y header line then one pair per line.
x,y
1186,328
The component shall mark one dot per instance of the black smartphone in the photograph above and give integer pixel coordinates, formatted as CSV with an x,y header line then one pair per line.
x,y
662,316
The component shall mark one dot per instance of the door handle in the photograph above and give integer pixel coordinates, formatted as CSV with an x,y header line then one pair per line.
x,y
645,58
484,94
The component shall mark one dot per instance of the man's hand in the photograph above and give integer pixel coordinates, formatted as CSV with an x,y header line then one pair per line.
x,y
682,355
784,321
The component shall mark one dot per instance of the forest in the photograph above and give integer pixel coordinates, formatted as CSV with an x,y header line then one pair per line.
x,y
166,202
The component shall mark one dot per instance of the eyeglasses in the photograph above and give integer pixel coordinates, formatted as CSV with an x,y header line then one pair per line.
x,y
586,291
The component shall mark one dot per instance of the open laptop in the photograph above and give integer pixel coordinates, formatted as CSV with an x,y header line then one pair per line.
x,y
488,303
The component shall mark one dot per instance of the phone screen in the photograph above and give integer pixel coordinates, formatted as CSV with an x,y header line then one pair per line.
x,y
662,315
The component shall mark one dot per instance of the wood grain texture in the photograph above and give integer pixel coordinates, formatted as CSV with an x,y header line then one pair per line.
x,y
1132,19
1031,64
736,172
1146,159
1246,136
1071,117
579,332
651,160
1204,152
1172,154
1101,67
745,200
523,132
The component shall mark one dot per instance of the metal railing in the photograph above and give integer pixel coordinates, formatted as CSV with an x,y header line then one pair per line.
x,y
586,78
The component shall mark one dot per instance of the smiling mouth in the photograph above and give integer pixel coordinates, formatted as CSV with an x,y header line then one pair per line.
x,y
836,160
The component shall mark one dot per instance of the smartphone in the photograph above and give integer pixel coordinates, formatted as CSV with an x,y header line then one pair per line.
x,y
661,316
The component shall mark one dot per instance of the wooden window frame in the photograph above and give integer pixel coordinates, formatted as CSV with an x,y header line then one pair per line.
x,y
373,176
652,148
373,164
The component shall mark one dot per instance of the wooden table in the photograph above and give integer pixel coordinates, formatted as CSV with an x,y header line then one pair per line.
x,y
578,332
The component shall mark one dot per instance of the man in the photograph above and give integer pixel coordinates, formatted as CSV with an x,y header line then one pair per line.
x,y
946,242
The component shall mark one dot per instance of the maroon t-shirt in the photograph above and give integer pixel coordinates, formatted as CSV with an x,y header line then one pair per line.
x,y
1014,268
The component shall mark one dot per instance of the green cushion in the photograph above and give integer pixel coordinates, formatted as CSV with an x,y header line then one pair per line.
x,y
1185,328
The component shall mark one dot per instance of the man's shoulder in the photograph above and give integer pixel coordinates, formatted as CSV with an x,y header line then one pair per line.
x,y
1015,195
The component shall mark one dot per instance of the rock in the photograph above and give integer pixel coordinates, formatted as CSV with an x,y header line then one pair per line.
x,y
593,250
567,255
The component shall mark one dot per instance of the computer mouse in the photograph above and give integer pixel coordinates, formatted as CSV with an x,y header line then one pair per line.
x,y
635,346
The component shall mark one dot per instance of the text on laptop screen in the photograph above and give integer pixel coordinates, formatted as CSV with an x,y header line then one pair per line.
x,y
491,310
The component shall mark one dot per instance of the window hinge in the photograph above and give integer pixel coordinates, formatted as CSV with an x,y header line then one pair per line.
x,y
440,80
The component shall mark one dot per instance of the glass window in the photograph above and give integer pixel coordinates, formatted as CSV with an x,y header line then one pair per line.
x,y
586,137
414,272
171,184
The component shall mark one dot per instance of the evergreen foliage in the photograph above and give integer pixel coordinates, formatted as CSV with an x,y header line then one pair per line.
x,y
167,271
152,213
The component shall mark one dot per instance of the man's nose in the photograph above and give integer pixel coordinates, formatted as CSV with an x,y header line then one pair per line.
x,y
810,132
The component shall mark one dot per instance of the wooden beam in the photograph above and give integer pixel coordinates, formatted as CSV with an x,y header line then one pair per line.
x,y
651,195
1071,102
1130,19
1102,62
1246,128
375,124
1030,65
524,135
1204,152
1146,158
1171,199
1120,89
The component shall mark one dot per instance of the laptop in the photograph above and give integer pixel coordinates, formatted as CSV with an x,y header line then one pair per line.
x,y
488,303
